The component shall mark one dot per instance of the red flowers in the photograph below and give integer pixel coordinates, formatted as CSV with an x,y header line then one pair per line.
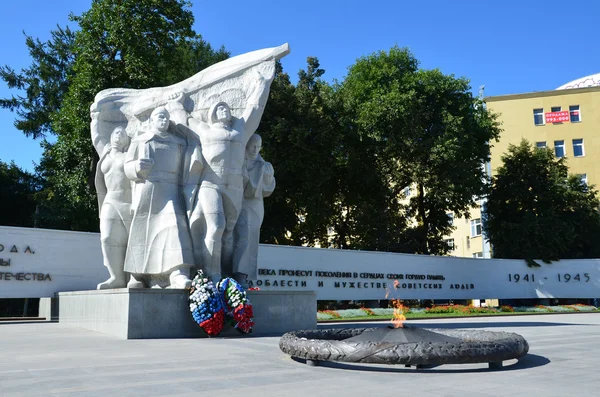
x,y
367,311
242,316
332,313
214,325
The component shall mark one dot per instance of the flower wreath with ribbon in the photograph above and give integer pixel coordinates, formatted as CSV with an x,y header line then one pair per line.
x,y
206,305
237,305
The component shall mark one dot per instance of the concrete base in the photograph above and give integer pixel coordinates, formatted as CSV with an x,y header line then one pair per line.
x,y
48,309
162,313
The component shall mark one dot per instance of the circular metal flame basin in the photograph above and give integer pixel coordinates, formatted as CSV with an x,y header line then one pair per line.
x,y
408,345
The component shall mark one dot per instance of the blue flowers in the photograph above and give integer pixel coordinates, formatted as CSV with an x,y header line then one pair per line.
x,y
206,305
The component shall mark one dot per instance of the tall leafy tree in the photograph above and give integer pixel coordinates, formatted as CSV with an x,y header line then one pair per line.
x,y
119,43
301,137
330,189
369,213
430,133
18,189
43,84
535,210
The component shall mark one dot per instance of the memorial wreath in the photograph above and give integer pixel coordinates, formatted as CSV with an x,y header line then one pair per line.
x,y
211,306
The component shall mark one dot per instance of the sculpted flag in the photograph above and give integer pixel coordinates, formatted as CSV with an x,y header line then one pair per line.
x,y
225,81
222,82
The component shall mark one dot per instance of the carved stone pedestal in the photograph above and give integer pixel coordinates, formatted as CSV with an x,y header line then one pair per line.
x,y
163,313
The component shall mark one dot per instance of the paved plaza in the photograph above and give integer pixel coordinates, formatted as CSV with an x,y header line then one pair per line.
x,y
50,359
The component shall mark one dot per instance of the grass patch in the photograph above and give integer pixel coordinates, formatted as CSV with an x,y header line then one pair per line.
x,y
424,316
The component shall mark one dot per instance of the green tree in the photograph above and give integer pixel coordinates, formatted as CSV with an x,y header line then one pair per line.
x,y
17,195
119,43
330,191
369,214
428,133
535,210
44,83
301,137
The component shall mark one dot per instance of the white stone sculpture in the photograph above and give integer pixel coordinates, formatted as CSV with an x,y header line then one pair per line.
x,y
159,252
223,138
114,201
188,182
260,183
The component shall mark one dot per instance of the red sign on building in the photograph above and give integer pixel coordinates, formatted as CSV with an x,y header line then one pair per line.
x,y
557,117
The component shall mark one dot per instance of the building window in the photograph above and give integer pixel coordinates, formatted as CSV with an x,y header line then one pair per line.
x,y
578,148
450,242
540,145
450,216
574,113
476,227
554,119
538,116
559,148
478,255
583,178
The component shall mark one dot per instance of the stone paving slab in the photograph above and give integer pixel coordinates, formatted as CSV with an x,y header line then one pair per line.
x,y
51,359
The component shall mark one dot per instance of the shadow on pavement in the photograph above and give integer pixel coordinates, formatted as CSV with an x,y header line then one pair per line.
x,y
527,362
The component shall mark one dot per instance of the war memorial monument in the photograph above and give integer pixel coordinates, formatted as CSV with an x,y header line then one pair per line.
x,y
181,184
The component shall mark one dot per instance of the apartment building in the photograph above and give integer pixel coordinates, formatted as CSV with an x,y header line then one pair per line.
x,y
566,119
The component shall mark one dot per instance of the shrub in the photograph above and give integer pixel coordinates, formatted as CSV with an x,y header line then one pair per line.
x,y
383,312
562,309
444,309
332,313
351,313
323,316
450,309
367,311
583,308
475,310
460,309
579,307
536,309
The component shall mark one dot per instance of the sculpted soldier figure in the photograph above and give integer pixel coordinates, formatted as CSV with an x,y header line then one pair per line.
x,y
260,183
223,139
159,253
114,202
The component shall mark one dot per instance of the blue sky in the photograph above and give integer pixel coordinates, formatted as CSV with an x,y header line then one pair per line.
x,y
510,46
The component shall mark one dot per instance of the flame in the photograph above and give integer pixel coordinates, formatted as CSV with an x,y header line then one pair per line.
x,y
398,317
